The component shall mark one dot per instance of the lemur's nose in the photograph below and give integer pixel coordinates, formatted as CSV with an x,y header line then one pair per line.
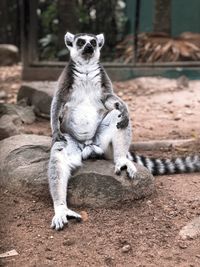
x,y
88,48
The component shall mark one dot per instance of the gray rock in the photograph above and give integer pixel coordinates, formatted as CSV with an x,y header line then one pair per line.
x,y
2,94
12,117
23,162
9,125
39,95
25,113
96,185
191,230
23,167
9,54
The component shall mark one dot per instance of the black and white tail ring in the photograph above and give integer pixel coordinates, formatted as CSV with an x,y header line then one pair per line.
x,y
168,166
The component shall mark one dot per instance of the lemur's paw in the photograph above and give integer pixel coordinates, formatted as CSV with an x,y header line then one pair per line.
x,y
61,215
86,152
120,165
124,163
131,170
123,123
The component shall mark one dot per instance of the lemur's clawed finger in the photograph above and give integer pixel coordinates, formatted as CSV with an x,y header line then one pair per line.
x,y
123,123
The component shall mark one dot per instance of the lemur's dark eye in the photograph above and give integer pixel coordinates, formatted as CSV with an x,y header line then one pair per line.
x,y
80,42
93,42
69,43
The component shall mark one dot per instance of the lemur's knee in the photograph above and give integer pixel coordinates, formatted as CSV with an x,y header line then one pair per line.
x,y
65,155
58,146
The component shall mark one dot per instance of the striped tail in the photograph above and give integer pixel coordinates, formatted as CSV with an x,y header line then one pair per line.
x,y
169,166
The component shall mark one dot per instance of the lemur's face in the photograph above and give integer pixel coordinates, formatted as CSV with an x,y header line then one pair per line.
x,y
84,47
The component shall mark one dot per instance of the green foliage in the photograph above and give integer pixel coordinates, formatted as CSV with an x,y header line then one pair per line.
x,y
48,23
49,17
105,16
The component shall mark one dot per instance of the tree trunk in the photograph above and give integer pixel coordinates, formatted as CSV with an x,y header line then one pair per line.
x,y
162,17
68,19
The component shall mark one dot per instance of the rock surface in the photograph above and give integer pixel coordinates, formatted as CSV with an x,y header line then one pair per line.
x,y
191,230
23,167
9,54
9,125
25,113
39,95
12,117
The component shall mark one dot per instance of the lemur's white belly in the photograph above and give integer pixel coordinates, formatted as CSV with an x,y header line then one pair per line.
x,y
83,120
84,111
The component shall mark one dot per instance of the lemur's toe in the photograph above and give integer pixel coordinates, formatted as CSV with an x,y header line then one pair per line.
x,y
117,171
73,215
131,171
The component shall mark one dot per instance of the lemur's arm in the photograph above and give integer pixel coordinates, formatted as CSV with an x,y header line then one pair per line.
x,y
112,101
56,107
58,103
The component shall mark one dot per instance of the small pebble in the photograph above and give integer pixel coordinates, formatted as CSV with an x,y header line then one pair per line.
x,y
177,118
84,216
68,242
182,245
187,105
49,258
189,112
126,248
2,94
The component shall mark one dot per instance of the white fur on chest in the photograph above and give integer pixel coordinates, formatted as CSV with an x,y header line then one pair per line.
x,y
84,108
87,74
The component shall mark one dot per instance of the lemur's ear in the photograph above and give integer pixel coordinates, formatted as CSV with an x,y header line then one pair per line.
x,y
100,39
69,38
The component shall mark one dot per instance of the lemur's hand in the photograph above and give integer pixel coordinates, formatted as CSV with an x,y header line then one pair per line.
x,y
58,136
111,101
123,115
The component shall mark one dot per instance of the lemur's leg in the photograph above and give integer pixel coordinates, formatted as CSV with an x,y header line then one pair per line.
x,y
64,157
109,136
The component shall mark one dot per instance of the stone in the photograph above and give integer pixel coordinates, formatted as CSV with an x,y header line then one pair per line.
x,y
39,95
9,125
25,113
191,230
23,167
126,248
9,55
182,245
3,94
12,118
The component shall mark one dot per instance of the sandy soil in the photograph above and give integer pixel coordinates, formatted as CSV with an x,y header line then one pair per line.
x,y
141,234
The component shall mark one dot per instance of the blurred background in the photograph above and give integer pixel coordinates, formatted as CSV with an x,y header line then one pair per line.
x,y
152,31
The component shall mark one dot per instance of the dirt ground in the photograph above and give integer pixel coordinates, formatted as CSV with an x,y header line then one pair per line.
x,y
140,234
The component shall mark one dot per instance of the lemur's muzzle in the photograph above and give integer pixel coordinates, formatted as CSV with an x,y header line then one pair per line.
x,y
88,49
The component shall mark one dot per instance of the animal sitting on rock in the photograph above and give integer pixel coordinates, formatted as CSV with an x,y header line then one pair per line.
x,y
89,120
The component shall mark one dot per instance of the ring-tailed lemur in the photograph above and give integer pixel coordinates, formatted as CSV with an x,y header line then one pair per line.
x,y
87,118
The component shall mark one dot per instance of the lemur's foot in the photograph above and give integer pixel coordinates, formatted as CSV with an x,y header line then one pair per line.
x,y
122,163
61,215
91,150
